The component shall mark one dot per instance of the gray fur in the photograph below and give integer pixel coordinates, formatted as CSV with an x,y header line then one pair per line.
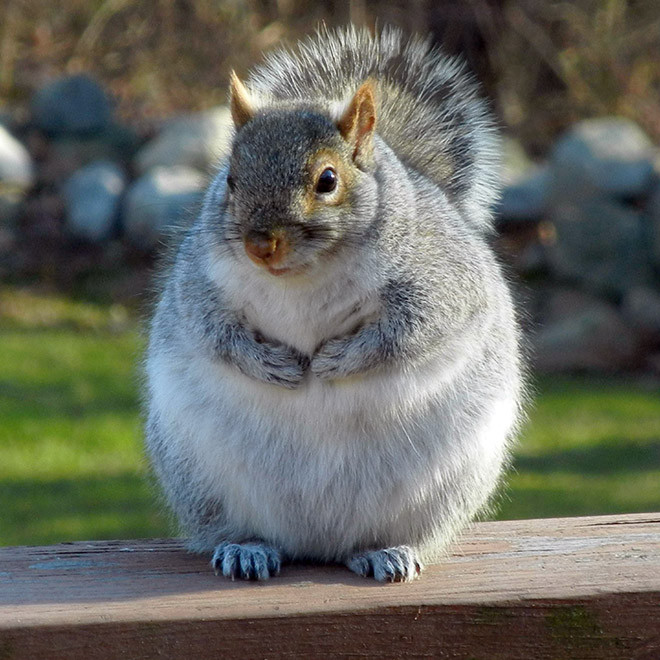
x,y
430,112
358,410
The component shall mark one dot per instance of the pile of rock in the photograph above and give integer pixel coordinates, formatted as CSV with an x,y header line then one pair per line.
x,y
111,181
582,230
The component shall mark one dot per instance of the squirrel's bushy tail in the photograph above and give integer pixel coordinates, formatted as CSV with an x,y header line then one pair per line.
x,y
429,110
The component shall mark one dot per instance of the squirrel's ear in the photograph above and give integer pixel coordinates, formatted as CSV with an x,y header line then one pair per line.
x,y
241,104
358,123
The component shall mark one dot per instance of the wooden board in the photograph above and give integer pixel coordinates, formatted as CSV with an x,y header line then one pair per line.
x,y
535,589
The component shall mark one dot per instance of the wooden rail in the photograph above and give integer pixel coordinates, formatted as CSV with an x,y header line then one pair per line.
x,y
586,588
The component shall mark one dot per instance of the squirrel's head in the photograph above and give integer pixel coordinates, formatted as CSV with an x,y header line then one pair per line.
x,y
296,178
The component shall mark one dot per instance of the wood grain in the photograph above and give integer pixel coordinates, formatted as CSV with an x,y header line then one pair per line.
x,y
534,589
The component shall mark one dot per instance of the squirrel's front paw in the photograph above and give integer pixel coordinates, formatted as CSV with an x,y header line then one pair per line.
x,y
248,561
280,365
330,361
399,564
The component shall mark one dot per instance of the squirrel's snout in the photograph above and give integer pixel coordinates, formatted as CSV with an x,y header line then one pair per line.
x,y
266,248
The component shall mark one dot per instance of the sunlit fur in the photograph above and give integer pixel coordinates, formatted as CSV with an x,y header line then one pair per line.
x,y
368,401
429,111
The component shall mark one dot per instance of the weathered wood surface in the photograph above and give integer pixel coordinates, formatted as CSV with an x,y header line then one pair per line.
x,y
586,588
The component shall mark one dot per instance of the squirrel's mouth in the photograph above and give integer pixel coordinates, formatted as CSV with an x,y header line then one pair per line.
x,y
291,271
278,271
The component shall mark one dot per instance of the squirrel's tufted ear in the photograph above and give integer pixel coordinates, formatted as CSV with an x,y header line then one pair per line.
x,y
241,104
358,123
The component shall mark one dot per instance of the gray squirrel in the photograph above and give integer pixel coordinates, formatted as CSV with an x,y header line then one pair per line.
x,y
333,370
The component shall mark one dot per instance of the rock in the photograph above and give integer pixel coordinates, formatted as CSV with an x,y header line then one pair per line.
x,y
8,251
581,333
640,308
653,217
610,156
196,141
15,163
525,185
515,161
10,205
91,199
71,105
68,153
525,198
652,364
599,244
159,202
16,175
6,118
532,260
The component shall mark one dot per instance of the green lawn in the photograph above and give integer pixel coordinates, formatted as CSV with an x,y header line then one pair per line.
x,y
71,460
72,466
591,446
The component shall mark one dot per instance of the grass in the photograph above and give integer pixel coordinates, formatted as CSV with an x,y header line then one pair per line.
x,y
592,446
72,465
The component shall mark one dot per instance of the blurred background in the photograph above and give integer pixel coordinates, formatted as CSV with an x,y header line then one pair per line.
x,y
111,118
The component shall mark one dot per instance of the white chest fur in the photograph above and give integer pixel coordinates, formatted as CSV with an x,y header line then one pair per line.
x,y
320,468
297,311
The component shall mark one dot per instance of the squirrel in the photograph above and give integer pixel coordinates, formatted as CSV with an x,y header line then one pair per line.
x,y
333,368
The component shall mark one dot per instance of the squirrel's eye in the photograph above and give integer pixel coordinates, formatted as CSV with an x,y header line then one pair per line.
x,y
230,182
327,181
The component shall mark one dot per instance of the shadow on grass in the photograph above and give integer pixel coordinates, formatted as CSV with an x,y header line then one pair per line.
x,y
120,506
614,476
609,457
65,398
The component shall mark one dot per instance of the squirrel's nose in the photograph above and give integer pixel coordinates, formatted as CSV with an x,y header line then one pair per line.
x,y
265,247
260,246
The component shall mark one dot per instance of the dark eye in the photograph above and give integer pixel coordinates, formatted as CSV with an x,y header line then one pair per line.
x,y
327,181
230,182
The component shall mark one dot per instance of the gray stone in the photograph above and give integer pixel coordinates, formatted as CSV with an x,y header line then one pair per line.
x,y
72,104
599,244
652,364
196,141
610,156
531,260
6,118
91,200
653,217
516,164
525,198
581,333
525,185
68,153
160,202
10,205
16,167
16,175
640,308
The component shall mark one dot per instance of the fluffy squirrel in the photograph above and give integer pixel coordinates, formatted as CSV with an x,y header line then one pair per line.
x,y
333,369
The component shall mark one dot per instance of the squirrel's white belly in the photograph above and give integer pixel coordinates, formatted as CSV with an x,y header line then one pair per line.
x,y
340,460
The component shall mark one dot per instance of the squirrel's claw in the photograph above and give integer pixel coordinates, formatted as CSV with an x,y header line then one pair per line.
x,y
398,564
249,561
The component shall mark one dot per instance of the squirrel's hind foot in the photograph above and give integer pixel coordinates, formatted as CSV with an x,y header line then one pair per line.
x,y
399,564
246,561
